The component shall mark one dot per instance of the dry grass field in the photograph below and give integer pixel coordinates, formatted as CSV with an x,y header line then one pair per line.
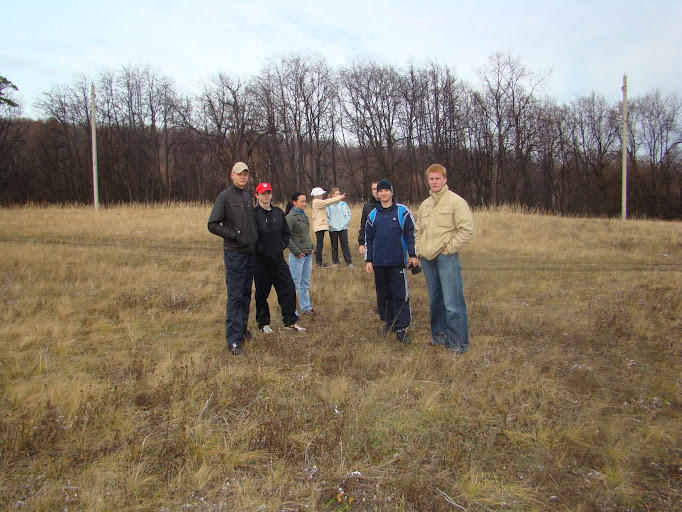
x,y
117,391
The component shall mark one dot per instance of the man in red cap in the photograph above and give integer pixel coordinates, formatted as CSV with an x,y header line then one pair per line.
x,y
271,268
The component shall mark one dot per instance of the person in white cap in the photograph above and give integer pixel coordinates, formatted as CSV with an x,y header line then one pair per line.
x,y
320,225
232,219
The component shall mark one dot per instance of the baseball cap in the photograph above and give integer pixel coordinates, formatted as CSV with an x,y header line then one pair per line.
x,y
262,187
239,168
317,191
384,184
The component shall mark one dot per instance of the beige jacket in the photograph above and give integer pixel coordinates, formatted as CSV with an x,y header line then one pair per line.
x,y
443,224
319,213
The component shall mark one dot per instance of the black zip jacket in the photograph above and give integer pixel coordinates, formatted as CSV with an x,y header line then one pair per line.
x,y
232,218
273,233
367,207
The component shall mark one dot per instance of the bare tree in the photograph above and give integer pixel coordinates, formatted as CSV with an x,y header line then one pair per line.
x,y
13,131
510,89
297,96
657,135
65,150
372,101
594,132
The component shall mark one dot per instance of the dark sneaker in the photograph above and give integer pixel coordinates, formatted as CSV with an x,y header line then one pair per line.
x,y
295,327
311,311
402,336
236,350
386,329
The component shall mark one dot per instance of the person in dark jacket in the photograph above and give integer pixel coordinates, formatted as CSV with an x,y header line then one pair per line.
x,y
366,209
389,236
232,219
271,269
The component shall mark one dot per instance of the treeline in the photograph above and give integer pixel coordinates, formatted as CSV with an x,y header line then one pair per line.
x,y
300,123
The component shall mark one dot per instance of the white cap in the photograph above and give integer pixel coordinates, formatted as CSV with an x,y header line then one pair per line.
x,y
317,191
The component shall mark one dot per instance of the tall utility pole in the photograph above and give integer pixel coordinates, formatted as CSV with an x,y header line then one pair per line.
x,y
95,187
624,155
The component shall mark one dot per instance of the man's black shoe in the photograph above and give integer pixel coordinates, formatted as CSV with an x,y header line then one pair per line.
x,y
236,350
385,330
402,336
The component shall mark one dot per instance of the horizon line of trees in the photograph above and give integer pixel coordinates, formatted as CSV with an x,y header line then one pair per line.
x,y
300,123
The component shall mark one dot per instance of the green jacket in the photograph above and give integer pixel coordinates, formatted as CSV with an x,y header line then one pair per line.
x,y
299,225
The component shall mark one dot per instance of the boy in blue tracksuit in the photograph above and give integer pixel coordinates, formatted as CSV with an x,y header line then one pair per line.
x,y
389,244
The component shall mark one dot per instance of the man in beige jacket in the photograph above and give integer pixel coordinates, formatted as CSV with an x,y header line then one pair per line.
x,y
444,226
320,225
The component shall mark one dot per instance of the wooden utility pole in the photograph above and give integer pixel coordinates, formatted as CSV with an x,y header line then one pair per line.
x,y
95,187
624,150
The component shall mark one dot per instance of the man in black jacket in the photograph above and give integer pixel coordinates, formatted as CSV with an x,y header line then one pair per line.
x,y
232,219
366,210
271,269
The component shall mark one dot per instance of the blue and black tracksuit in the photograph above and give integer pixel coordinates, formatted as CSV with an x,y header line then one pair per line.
x,y
389,240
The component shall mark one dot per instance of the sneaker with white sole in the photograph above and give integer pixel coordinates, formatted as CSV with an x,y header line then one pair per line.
x,y
266,329
402,336
295,327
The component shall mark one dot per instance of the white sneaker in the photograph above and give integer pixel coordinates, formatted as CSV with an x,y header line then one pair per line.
x,y
295,327
266,329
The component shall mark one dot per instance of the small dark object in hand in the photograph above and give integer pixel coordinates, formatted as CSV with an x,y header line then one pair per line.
x,y
415,269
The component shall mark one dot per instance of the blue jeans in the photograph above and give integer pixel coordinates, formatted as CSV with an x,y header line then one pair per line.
x,y
448,309
301,269
239,269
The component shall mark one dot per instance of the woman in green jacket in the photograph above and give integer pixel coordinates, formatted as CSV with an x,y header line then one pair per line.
x,y
301,250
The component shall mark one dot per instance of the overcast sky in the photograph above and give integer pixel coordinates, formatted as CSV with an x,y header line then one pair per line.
x,y
586,45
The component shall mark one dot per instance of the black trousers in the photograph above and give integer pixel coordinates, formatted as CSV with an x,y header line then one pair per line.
x,y
382,297
239,270
275,273
336,237
319,235
391,283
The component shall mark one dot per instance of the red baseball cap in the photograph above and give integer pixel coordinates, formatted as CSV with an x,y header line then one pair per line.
x,y
262,187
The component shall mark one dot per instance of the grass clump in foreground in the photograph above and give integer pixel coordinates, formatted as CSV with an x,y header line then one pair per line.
x,y
118,392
